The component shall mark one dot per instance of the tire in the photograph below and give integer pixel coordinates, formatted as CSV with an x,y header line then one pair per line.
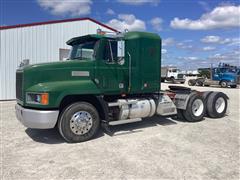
x,y
233,86
217,105
78,122
224,84
196,109
199,83
192,82
205,96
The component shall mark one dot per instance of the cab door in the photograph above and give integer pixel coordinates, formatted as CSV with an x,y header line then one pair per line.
x,y
216,74
109,72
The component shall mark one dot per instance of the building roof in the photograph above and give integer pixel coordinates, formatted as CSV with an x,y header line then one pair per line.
x,y
55,22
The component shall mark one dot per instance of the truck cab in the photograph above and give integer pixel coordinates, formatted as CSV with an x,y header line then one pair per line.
x,y
225,75
172,74
101,69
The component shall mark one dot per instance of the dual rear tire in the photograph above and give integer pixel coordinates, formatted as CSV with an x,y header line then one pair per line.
x,y
217,103
211,104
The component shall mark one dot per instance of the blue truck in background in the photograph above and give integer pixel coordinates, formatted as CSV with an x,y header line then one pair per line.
x,y
224,75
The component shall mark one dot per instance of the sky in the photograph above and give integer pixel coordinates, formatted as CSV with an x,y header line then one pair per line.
x,y
195,33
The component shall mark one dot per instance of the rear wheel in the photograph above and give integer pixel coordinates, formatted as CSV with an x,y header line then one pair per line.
x,y
78,122
224,84
199,83
196,109
192,82
217,105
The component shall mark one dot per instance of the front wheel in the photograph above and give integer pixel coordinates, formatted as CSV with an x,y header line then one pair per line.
x,y
78,122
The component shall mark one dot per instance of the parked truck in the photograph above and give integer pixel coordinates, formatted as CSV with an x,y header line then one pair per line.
x,y
172,74
223,75
108,80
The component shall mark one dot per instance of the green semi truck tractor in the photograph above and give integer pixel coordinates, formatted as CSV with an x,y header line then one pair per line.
x,y
109,79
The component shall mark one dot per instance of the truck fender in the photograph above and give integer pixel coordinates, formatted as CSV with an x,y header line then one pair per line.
x,y
105,108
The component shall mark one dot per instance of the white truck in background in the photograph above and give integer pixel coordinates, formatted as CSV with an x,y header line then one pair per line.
x,y
172,74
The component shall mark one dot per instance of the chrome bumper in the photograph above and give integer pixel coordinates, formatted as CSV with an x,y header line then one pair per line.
x,y
36,119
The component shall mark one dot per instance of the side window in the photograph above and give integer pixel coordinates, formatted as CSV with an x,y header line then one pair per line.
x,y
110,54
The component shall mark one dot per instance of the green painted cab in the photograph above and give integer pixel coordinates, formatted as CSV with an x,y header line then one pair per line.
x,y
98,65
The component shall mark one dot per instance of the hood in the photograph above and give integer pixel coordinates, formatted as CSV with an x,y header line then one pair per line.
x,y
57,71
229,74
58,65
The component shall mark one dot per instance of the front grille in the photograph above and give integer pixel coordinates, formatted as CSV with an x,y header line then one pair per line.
x,y
19,88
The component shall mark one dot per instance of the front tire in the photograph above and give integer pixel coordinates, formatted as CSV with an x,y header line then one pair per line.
x,y
78,122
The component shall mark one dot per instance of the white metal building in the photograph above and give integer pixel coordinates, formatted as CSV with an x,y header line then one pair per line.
x,y
38,42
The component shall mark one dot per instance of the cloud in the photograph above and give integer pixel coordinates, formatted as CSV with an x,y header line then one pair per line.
x,y
140,2
164,51
204,5
184,46
211,39
232,57
127,21
189,58
110,12
220,17
208,48
219,40
73,8
156,23
168,42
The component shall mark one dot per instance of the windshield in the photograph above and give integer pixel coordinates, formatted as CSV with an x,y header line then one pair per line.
x,y
86,50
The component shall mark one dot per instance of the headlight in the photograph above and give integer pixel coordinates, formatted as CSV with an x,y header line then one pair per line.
x,y
37,98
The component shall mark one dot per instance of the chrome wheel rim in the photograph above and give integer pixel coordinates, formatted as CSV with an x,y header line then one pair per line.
x,y
81,122
220,105
197,107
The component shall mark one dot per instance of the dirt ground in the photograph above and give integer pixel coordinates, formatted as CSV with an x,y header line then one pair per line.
x,y
156,148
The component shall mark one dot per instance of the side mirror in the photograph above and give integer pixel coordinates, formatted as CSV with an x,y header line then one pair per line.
x,y
121,52
120,49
